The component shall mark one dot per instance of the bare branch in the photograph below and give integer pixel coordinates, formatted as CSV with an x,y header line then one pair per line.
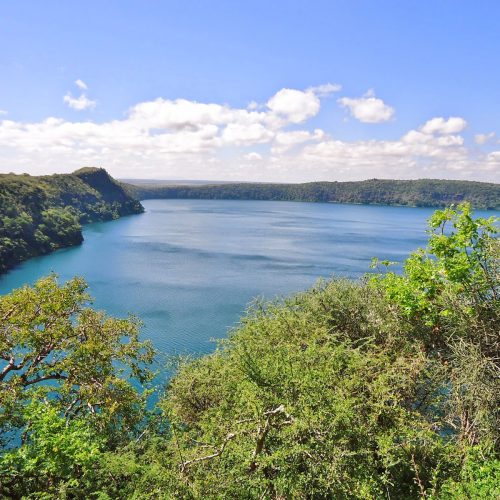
x,y
417,477
8,314
263,431
11,366
71,406
219,452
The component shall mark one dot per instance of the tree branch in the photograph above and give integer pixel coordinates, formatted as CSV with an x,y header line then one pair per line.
x,y
219,452
11,366
263,431
53,376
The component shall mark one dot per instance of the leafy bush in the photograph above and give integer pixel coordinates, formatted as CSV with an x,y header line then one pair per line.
x,y
55,457
383,388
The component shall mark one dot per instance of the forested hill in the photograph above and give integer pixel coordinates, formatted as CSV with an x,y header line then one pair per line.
x,y
41,214
420,193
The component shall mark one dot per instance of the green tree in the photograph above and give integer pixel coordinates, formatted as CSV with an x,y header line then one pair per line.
x,y
479,478
56,457
383,388
449,294
54,348
462,262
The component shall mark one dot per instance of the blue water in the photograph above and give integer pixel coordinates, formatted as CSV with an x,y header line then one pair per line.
x,y
188,268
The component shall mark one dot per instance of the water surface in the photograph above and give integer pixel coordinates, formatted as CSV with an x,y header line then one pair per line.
x,y
188,268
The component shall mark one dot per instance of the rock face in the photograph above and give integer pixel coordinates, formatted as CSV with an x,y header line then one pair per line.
x,y
41,214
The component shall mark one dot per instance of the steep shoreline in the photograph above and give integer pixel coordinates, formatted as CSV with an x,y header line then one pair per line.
x,y
41,214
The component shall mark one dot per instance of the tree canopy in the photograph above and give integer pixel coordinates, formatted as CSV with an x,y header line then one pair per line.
x,y
417,193
387,387
41,214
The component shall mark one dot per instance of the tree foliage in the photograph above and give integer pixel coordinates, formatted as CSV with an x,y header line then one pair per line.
x,y
55,349
56,458
451,291
383,388
41,214
418,193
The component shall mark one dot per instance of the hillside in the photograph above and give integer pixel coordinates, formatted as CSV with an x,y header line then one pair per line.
x,y
41,214
419,193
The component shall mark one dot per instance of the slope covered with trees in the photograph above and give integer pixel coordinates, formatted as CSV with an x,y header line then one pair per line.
x,y
41,214
419,193
384,388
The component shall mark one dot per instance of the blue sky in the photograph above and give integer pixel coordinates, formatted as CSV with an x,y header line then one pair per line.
x,y
148,69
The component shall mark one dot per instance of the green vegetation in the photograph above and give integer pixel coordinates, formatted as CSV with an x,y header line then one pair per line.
x,y
41,214
419,193
384,388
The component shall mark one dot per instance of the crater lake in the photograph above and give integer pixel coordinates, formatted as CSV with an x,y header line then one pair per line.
x,y
189,268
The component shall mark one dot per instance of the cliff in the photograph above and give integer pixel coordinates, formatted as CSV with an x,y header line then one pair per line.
x,y
41,214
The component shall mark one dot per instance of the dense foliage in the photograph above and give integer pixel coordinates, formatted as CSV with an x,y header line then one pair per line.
x,y
41,214
69,383
420,193
384,388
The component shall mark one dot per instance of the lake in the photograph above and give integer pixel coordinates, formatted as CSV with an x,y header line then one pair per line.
x,y
188,268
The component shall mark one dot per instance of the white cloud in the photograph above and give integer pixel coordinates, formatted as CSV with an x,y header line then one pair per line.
x,y
253,105
295,106
417,137
79,103
284,141
388,159
165,138
81,84
325,89
368,108
439,125
484,138
253,156
238,134
3,112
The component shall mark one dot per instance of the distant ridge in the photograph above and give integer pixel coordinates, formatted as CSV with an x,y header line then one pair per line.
x,y
178,182
415,193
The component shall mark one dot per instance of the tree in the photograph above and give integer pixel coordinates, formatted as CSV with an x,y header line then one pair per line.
x,y
383,388
56,457
54,348
449,293
461,261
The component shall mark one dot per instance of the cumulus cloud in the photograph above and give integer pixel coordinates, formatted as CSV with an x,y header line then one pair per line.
x,y
253,105
165,138
284,141
253,156
484,138
417,137
240,134
493,160
295,106
79,103
440,125
368,108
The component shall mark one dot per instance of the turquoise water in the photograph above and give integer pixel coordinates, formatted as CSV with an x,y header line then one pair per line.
x,y
188,268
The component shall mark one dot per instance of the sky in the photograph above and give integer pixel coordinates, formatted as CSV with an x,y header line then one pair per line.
x,y
286,91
